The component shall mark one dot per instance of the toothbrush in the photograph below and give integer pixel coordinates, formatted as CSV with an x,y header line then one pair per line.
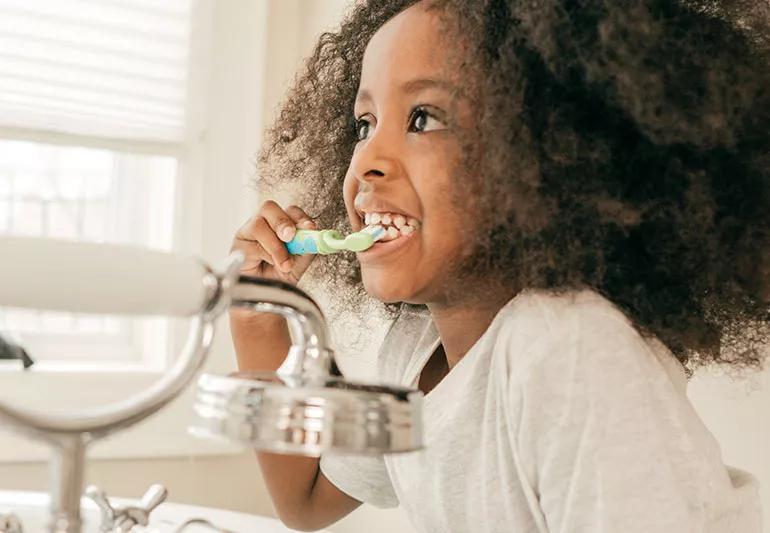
x,y
329,241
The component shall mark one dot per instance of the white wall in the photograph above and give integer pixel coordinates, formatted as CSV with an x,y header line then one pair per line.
x,y
737,410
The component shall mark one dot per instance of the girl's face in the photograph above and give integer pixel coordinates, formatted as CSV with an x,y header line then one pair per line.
x,y
408,116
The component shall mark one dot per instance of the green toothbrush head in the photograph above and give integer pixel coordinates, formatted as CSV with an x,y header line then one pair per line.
x,y
358,242
355,242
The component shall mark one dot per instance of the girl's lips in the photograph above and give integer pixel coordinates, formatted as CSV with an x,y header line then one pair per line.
x,y
382,249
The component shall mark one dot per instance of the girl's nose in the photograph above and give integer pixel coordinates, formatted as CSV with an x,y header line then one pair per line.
x,y
376,158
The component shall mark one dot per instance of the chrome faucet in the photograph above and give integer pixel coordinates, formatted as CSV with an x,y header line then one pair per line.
x,y
305,407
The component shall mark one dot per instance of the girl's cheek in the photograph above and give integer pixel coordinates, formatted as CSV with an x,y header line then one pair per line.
x,y
349,190
348,187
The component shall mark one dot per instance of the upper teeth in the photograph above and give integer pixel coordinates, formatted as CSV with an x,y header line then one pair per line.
x,y
386,219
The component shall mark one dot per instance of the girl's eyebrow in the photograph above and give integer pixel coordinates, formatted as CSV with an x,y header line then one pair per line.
x,y
413,86
363,96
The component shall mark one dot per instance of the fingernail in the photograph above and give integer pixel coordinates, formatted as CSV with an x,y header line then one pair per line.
x,y
308,224
287,233
286,265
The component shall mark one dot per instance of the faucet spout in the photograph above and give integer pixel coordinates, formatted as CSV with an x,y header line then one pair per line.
x,y
310,354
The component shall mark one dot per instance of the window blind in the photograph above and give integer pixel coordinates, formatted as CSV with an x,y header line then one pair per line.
x,y
103,68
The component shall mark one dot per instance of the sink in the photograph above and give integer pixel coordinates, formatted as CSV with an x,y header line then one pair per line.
x,y
32,509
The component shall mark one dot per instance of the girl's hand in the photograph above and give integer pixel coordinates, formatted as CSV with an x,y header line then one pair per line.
x,y
262,240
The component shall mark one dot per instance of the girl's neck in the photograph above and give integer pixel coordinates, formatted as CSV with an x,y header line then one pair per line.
x,y
461,323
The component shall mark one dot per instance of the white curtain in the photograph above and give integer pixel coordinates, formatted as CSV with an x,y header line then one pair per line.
x,y
100,68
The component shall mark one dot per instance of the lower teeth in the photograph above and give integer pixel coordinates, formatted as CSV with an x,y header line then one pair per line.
x,y
393,232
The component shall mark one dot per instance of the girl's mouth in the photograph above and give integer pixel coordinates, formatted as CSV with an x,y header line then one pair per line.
x,y
400,231
386,248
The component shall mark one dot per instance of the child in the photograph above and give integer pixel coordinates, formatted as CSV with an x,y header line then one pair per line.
x,y
579,193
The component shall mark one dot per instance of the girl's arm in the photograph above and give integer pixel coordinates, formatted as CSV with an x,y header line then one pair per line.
x,y
303,498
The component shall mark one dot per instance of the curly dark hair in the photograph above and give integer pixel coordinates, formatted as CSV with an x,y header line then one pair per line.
x,y
626,150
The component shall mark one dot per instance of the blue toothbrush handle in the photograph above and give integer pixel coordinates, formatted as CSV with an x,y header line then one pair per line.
x,y
301,245
309,241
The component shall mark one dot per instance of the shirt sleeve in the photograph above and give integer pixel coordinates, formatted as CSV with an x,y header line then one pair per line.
x,y
606,441
364,478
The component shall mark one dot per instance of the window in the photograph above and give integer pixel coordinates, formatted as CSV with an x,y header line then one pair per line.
x,y
160,122
84,73
114,68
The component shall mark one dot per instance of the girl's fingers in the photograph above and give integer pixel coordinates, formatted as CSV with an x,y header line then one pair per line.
x,y
300,218
262,240
278,220
284,225
303,221
255,256
274,246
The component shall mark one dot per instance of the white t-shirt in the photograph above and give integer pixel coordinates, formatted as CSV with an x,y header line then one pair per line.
x,y
560,418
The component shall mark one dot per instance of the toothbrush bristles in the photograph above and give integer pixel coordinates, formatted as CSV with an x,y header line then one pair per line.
x,y
377,231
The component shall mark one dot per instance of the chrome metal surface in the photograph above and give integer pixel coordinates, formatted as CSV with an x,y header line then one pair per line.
x,y
65,480
308,417
99,422
96,423
122,519
69,434
312,355
305,407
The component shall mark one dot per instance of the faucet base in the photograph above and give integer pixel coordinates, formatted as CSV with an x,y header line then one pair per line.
x,y
308,415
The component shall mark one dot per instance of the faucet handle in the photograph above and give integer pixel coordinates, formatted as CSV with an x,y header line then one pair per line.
x,y
123,519
154,496
101,500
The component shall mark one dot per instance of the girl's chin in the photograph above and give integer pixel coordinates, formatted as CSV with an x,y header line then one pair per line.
x,y
388,289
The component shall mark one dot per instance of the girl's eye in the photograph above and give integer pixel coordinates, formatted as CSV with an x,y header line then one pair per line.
x,y
423,120
362,129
